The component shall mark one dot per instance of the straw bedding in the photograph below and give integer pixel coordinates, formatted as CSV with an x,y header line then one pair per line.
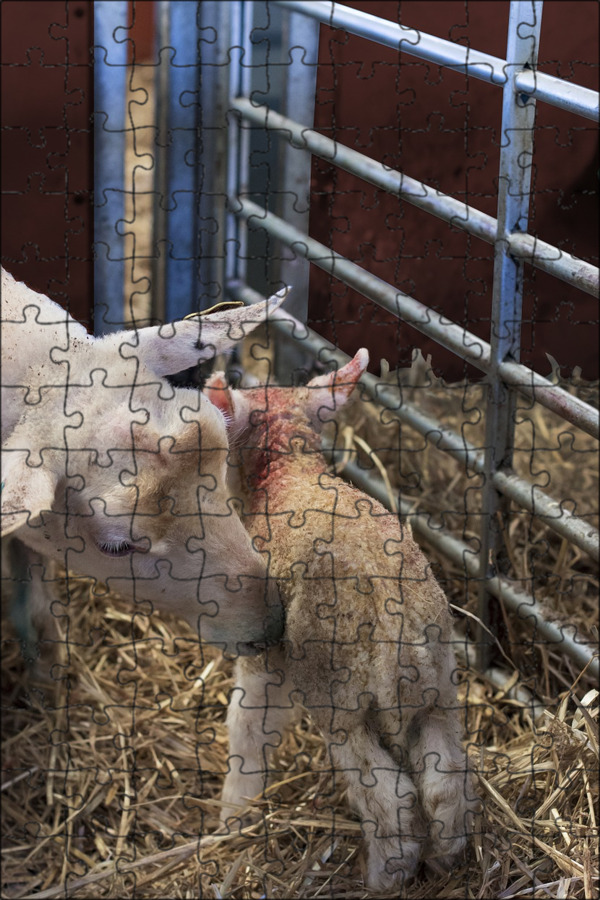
x,y
112,769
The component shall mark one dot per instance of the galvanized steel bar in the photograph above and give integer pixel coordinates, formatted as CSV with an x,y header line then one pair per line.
x,y
180,247
448,334
551,512
527,247
524,605
212,145
300,55
161,184
529,496
238,143
300,44
550,259
110,84
563,94
400,37
538,388
555,91
514,189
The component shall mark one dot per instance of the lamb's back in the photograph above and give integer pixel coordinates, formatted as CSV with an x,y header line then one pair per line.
x,y
360,594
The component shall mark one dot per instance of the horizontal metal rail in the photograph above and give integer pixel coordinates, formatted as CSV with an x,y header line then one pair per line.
x,y
522,492
562,94
530,497
524,605
450,335
538,253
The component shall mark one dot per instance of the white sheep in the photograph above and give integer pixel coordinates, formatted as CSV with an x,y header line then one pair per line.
x,y
367,648
110,471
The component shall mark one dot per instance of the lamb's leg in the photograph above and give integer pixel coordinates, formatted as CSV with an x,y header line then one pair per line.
x,y
383,796
30,581
258,714
440,766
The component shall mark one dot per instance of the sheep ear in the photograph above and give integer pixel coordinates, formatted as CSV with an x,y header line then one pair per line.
x,y
233,404
219,393
329,392
26,490
167,349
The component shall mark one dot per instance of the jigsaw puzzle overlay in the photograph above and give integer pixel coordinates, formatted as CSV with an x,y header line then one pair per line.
x,y
238,661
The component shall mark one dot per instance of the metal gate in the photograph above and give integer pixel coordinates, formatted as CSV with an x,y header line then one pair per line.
x,y
209,77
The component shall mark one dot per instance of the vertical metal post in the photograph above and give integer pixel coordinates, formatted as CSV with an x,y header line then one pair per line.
x,y
514,185
161,187
300,45
110,82
238,149
176,220
216,62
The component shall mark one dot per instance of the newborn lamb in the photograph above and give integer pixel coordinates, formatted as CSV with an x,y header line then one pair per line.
x,y
367,648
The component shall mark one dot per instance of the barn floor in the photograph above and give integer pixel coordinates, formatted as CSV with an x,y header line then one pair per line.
x,y
112,769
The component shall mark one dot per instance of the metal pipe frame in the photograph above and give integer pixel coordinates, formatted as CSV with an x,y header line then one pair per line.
x,y
450,335
300,35
161,184
523,604
293,189
238,146
110,87
527,495
514,190
555,91
176,200
514,248
531,249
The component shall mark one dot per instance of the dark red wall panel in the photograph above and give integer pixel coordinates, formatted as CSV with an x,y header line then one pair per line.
x,y
443,129
47,168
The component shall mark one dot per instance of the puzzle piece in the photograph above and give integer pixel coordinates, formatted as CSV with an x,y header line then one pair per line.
x,y
355,742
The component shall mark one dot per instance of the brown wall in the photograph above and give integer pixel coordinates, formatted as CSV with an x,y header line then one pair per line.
x,y
47,142
443,129
47,172
433,124
141,31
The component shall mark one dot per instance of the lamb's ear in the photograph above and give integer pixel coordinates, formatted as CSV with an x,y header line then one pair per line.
x,y
167,349
233,404
327,393
26,490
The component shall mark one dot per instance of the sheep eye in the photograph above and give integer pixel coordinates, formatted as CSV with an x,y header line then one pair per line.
x,y
115,548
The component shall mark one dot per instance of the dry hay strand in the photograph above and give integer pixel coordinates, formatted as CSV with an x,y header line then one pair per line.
x,y
112,773
112,770
549,453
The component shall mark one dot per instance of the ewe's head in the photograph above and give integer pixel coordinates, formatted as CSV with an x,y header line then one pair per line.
x,y
128,486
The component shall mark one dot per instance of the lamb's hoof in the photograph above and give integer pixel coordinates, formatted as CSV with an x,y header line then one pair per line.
x,y
442,863
391,874
394,882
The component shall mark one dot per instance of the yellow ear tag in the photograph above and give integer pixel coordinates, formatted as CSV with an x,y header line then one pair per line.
x,y
218,307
